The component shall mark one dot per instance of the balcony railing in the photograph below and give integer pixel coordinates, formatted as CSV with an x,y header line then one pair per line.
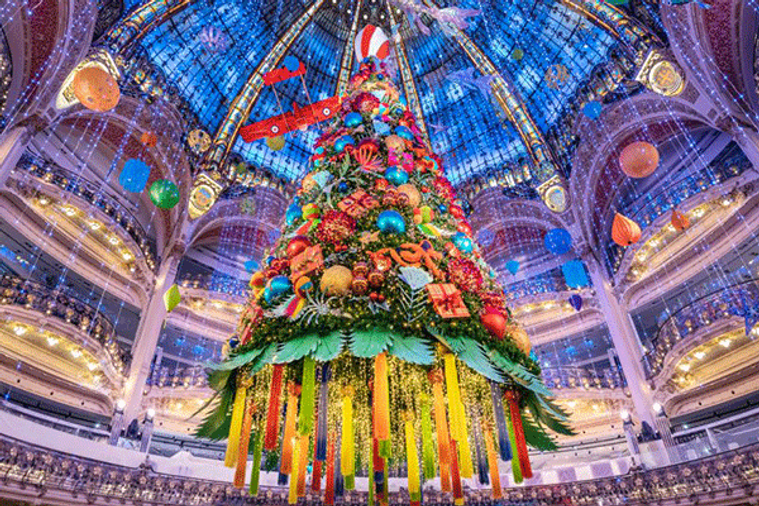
x,y
51,173
220,283
726,303
70,309
190,376
581,377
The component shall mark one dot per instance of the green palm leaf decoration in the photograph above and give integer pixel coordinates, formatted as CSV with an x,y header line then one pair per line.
x,y
412,349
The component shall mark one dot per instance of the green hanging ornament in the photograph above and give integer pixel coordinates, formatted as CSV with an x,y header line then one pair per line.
x,y
164,194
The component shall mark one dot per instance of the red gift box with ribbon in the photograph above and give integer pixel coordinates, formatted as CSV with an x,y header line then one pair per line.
x,y
306,262
357,204
447,301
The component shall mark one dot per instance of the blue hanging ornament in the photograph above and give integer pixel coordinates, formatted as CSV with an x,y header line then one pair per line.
x,y
353,119
293,214
404,133
134,176
462,242
512,266
276,287
575,301
391,222
343,142
558,241
396,176
574,274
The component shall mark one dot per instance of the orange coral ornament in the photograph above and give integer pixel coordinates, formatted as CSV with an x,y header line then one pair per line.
x,y
679,220
624,231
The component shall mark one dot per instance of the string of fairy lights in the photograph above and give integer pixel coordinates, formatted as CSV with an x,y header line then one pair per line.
x,y
83,134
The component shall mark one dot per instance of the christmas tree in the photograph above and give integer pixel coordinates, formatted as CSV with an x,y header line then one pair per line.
x,y
376,324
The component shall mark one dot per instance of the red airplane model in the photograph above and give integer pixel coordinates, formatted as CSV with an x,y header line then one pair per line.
x,y
299,117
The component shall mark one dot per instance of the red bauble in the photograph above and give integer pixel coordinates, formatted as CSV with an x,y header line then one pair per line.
x,y
297,245
495,322
465,274
465,228
443,188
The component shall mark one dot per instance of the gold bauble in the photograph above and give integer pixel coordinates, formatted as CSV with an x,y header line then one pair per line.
x,y
409,190
520,338
336,280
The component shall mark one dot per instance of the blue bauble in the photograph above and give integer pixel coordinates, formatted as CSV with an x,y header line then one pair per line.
x,y
462,242
404,133
442,208
353,119
343,142
252,265
342,187
293,214
558,241
277,286
396,176
592,109
234,342
391,222
319,150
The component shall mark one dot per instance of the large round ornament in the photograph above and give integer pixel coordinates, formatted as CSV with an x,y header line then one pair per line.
x,y
423,214
276,143
558,241
277,286
639,159
353,119
394,143
520,338
336,280
297,245
391,222
96,89
624,231
343,142
310,211
293,214
409,190
494,322
396,175
462,242
164,194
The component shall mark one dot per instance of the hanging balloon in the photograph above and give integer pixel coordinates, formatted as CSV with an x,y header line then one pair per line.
x,y
679,220
624,231
164,194
149,139
276,143
574,274
512,266
134,176
371,41
96,89
575,301
592,110
558,241
639,159
171,298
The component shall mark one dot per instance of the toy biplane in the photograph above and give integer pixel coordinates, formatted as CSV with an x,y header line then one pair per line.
x,y
299,117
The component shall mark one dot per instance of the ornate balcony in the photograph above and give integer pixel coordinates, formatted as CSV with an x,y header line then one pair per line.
x,y
582,377
50,173
67,308
728,303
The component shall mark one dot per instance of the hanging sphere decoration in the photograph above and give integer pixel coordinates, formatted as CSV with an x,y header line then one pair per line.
x,y
96,89
353,119
462,242
639,159
134,176
164,194
343,142
396,175
558,241
575,301
512,266
276,143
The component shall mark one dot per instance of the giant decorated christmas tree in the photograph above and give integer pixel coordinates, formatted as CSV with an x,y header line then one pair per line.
x,y
376,337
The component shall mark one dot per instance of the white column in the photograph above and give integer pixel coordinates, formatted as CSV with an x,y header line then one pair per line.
x,y
12,146
626,342
148,332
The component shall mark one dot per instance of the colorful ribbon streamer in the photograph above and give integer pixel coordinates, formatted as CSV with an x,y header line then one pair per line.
x,y
306,420
428,454
441,427
255,471
235,427
288,440
495,478
272,416
347,454
412,458
244,444
504,445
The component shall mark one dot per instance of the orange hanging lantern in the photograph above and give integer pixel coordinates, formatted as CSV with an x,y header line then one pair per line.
x,y
679,220
96,89
624,231
149,139
639,159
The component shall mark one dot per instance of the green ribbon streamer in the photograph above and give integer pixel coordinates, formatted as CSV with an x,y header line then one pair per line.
x,y
306,418
516,468
370,502
255,471
350,481
428,454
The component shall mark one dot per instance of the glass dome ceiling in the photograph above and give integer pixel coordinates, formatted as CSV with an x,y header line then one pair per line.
x,y
466,125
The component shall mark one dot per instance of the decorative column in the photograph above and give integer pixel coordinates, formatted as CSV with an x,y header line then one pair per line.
x,y
630,437
148,332
147,431
626,342
12,145
661,424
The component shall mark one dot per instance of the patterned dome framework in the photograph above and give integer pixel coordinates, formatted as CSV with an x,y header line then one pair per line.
x,y
375,310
